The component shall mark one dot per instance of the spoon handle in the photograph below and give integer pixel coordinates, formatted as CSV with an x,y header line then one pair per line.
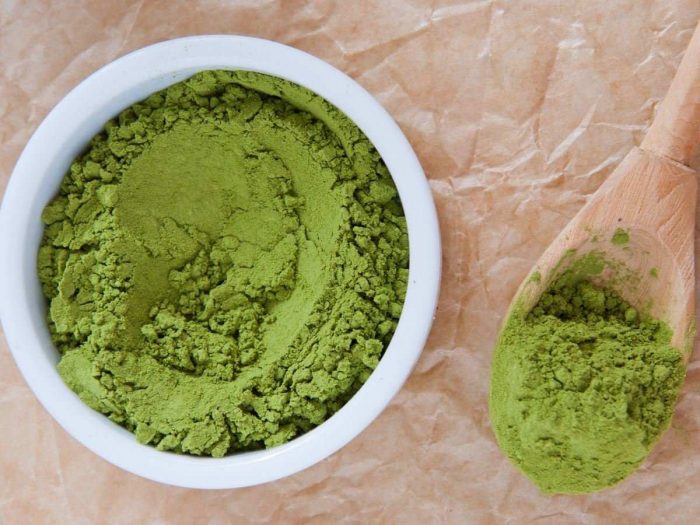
x,y
675,132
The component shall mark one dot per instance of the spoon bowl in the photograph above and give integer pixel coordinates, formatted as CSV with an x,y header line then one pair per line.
x,y
640,225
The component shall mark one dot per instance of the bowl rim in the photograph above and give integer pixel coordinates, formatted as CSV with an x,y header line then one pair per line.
x,y
65,131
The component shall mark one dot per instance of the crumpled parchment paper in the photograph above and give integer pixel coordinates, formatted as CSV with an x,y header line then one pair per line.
x,y
518,111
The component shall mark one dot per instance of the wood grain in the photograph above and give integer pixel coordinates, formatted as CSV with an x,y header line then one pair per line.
x,y
675,132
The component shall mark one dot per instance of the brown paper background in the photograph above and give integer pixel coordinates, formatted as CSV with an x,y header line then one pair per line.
x,y
518,111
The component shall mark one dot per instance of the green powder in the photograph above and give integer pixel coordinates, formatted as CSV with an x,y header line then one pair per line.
x,y
225,265
582,387
620,237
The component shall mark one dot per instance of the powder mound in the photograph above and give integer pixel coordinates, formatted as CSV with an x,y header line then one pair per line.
x,y
582,387
224,265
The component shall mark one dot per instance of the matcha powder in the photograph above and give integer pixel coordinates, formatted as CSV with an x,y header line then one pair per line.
x,y
224,265
582,388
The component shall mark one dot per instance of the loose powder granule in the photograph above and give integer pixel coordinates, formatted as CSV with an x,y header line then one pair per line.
x,y
225,264
582,387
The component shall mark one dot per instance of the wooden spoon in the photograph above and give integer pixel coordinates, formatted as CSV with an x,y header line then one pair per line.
x,y
651,196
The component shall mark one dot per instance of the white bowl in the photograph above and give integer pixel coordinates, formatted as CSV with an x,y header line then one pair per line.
x,y
64,134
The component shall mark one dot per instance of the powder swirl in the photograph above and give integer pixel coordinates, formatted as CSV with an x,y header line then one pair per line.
x,y
224,265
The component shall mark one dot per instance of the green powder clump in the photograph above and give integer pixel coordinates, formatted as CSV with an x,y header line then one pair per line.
x,y
620,237
224,265
582,387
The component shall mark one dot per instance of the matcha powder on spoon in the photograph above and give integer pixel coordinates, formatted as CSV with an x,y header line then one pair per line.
x,y
582,387
224,265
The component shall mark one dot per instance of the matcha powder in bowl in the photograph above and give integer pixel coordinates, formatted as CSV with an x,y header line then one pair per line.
x,y
224,265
